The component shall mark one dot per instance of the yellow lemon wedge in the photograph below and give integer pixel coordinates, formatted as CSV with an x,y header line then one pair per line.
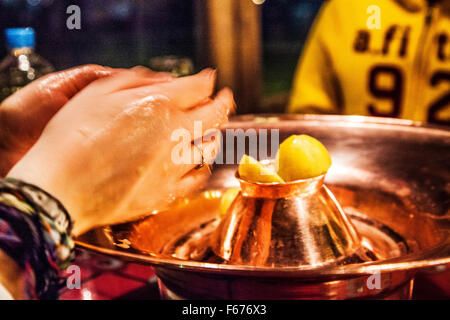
x,y
302,157
226,200
252,170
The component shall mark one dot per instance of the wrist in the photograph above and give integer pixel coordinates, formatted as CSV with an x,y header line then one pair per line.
x,y
35,234
54,173
34,177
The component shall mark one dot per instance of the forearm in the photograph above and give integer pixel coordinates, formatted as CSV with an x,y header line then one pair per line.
x,y
10,151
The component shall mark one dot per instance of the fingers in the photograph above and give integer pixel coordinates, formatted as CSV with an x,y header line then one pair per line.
x,y
184,92
195,89
71,81
193,157
136,77
211,114
193,180
146,72
209,146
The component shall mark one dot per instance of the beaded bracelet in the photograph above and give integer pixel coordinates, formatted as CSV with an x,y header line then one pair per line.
x,y
35,232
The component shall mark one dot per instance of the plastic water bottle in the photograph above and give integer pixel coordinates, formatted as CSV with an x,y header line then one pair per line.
x,y
22,65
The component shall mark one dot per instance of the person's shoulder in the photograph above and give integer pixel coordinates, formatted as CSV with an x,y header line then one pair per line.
x,y
355,13
350,6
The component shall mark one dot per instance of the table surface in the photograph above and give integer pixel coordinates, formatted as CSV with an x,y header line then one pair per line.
x,y
107,278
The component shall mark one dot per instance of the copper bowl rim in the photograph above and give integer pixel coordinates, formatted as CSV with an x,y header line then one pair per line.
x,y
410,262
405,263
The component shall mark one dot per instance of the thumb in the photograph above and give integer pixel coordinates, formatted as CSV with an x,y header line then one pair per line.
x,y
62,85
33,106
24,115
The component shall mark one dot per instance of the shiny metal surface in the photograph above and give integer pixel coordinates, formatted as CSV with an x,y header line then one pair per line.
x,y
291,224
391,177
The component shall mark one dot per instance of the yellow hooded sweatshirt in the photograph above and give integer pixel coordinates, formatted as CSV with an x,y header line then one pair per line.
x,y
387,58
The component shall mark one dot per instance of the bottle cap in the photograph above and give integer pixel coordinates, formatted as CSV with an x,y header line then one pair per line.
x,y
20,37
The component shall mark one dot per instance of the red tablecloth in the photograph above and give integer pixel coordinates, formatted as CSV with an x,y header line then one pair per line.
x,y
108,278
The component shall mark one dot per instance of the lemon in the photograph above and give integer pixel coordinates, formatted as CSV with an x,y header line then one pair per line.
x,y
252,170
226,200
302,157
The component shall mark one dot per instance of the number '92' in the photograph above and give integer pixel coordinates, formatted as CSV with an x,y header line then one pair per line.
x,y
246,309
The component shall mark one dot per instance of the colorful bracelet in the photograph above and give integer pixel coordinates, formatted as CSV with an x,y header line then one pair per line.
x,y
35,231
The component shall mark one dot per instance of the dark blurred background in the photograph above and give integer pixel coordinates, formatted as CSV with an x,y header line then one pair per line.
x,y
125,33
